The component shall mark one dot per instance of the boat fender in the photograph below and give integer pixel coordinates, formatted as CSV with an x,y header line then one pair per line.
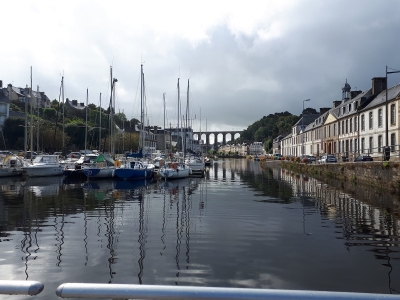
x,y
117,163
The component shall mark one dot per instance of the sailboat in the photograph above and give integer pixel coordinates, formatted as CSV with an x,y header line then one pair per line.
x,y
195,162
133,168
11,165
175,170
42,165
103,166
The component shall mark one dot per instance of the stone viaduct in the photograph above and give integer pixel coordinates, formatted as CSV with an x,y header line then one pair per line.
x,y
215,134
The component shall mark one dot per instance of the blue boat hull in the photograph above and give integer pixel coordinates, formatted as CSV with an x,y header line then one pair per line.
x,y
131,174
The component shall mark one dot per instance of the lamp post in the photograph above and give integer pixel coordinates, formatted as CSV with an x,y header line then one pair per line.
x,y
387,109
302,128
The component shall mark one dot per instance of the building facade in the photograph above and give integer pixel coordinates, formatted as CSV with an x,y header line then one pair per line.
x,y
362,122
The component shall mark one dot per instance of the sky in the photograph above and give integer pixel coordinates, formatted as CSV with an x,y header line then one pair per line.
x,y
244,59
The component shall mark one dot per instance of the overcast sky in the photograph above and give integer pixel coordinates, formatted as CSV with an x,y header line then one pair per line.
x,y
244,59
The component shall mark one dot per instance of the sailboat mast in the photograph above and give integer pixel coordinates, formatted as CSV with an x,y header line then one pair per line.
x,y
37,128
111,113
141,145
87,100
187,112
165,142
199,137
112,120
100,124
63,118
31,125
179,113
26,120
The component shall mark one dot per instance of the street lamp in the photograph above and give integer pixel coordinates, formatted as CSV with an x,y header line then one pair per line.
x,y
387,113
302,128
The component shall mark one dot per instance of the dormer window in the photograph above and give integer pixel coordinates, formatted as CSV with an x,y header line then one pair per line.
x,y
344,109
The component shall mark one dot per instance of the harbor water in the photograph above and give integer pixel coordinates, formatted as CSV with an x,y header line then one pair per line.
x,y
242,225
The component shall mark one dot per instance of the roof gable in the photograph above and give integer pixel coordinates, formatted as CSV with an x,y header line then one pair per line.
x,y
330,119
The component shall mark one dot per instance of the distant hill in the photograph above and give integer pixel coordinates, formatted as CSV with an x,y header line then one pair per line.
x,y
267,128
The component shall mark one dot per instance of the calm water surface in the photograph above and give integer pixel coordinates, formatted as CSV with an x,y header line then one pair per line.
x,y
240,226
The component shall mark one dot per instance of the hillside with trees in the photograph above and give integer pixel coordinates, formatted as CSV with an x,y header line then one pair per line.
x,y
50,121
267,128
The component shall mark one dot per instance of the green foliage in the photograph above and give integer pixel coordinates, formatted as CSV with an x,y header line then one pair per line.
x,y
49,114
13,132
268,127
50,124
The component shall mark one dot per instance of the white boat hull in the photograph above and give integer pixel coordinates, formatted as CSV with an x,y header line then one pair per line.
x,y
107,172
9,172
169,173
45,170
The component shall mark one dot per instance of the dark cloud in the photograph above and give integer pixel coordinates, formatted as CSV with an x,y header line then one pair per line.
x,y
238,74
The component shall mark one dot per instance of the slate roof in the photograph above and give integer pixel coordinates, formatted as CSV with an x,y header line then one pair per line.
x,y
4,96
380,99
360,99
307,119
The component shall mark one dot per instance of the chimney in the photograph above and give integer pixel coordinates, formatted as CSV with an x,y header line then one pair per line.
x,y
378,85
354,94
323,110
1,84
336,103
155,130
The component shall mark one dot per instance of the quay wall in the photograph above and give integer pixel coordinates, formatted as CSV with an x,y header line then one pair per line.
x,y
383,176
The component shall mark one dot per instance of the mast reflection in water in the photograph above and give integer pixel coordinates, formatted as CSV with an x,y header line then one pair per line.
x,y
239,226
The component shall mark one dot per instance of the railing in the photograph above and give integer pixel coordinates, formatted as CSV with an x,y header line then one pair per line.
x,y
20,287
377,153
130,291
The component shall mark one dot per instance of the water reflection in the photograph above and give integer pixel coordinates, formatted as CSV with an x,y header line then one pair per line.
x,y
239,226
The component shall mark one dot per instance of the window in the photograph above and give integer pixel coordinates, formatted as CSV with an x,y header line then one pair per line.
x,y
393,114
347,126
355,145
379,143
362,145
351,125
351,145
342,127
334,129
371,144
371,119
355,123
362,122
380,117
392,141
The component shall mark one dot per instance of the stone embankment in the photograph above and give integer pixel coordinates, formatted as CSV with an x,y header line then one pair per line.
x,y
383,176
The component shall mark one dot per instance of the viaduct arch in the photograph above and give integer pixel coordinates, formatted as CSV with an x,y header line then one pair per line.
x,y
232,133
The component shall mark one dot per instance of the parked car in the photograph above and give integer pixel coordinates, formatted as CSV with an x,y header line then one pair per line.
x,y
328,158
277,156
364,158
311,158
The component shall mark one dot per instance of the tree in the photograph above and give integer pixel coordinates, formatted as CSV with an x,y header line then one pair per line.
x,y
14,132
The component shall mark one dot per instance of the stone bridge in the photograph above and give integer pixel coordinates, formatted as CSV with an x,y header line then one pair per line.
x,y
207,134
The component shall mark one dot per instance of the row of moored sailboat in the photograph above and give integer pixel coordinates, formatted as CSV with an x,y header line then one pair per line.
x,y
102,166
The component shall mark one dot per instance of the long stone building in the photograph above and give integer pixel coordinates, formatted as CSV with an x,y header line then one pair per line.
x,y
362,122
